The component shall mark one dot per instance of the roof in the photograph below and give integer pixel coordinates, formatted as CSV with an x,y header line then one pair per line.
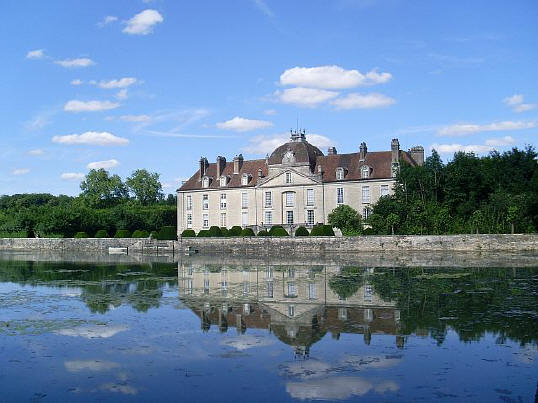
x,y
303,152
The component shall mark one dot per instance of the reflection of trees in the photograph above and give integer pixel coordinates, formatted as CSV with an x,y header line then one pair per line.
x,y
348,281
470,301
103,285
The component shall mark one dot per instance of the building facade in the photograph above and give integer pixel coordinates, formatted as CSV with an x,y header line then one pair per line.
x,y
296,185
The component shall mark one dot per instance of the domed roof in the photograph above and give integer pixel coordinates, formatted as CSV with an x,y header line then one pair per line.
x,y
298,151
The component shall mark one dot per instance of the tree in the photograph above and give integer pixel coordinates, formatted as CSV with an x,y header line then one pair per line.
x,y
99,189
347,219
145,186
392,220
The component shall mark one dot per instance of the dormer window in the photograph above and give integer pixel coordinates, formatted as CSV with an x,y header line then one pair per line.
x,y
205,182
288,177
365,172
244,179
223,181
340,173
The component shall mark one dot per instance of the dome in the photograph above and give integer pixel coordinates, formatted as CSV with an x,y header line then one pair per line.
x,y
298,151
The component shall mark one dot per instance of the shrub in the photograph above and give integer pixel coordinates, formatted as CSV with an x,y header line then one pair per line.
x,y
122,233
224,231
322,230
301,231
168,233
203,233
188,233
328,230
235,231
140,234
154,234
278,230
263,233
347,219
369,231
215,231
81,234
101,234
247,232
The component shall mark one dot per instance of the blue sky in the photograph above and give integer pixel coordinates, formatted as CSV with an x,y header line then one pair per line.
x,y
158,84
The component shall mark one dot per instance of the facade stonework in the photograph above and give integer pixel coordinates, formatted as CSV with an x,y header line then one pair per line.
x,y
296,185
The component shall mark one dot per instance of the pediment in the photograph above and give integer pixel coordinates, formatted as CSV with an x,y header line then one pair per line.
x,y
298,178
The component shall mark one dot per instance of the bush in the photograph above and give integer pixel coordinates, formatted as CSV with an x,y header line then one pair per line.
x,y
81,234
101,234
224,231
154,234
278,230
263,233
215,231
235,231
122,233
347,219
188,233
369,231
203,233
301,231
168,233
247,232
140,234
322,230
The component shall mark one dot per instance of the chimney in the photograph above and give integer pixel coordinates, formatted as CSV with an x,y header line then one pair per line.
x,y
260,173
332,151
362,151
221,164
266,159
203,167
238,163
417,153
395,151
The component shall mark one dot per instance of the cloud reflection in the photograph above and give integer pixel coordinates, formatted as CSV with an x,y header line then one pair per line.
x,y
92,331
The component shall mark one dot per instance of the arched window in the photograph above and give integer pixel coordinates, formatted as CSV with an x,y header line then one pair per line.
x,y
340,173
365,172
205,182
223,181
244,179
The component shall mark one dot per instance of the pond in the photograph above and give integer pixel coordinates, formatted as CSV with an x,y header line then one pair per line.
x,y
216,329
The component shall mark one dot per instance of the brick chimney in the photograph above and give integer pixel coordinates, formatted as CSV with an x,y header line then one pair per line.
x,y
238,163
417,153
203,167
221,164
362,151
332,151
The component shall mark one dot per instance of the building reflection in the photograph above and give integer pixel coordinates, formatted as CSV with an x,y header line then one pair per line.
x,y
299,304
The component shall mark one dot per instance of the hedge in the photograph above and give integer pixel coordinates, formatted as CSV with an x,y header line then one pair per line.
x,y
122,233
215,231
263,233
154,234
168,233
101,234
140,234
224,231
188,233
278,230
81,234
203,233
322,230
301,231
247,232
235,231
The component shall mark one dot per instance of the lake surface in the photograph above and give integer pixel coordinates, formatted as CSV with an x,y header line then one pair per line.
x,y
202,329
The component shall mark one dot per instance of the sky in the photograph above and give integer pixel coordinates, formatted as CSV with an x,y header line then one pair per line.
x,y
157,84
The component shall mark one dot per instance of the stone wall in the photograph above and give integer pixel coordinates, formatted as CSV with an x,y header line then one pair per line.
x,y
85,244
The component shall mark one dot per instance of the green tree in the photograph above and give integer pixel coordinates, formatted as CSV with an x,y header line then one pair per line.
x,y
145,186
99,189
347,219
393,220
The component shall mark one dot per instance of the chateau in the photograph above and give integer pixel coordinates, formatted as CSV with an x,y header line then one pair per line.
x,y
296,185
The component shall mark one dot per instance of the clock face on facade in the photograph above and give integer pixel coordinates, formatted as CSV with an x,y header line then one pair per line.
x,y
289,157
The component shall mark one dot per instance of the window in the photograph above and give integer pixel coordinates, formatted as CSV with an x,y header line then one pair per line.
x,y
268,273
342,313
246,309
339,174
223,219
223,180
288,177
310,217
289,217
246,288
244,218
268,217
205,220
291,289
291,273
312,291
269,289
309,197
339,195
189,220
244,200
189,202
188,285
365,213
244,179
366,194
384,190
368,295
368,315
289,199
365,172
205,182
268,199
223,201
291,311
205,202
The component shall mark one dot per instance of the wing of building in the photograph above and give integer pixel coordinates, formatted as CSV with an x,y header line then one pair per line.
x,y
296,185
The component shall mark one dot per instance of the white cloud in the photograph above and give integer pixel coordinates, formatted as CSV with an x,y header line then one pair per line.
x,y
119,388
36,54
266,144
244,342
359,101
270,112
72,63
309,97
516,102
90,365
464,129
489,145
76,82
135,118
89,106
91,138
39,121
117,83
107,20
20,171
331,77
103,164
525,107
72,176
143,22
337,388
499,142
122,94
242,125
36,151
515,99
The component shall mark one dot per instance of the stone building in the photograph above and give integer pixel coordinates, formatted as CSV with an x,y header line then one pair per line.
x,y
296,185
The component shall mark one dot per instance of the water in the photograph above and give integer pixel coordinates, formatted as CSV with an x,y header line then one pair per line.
x,y
213,329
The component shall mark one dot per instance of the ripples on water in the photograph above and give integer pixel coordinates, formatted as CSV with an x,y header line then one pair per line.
x,y
207,330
